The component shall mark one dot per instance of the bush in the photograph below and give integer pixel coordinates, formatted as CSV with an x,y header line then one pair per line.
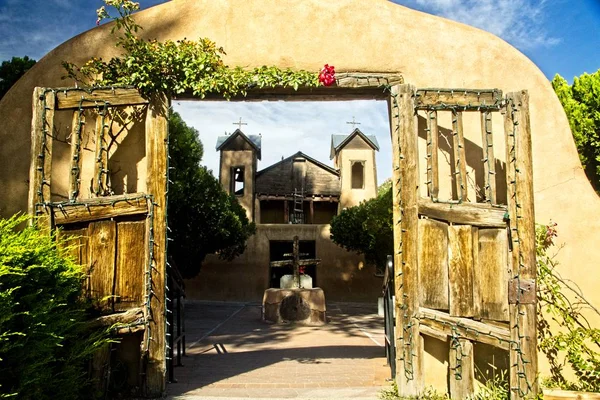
x,y
43,337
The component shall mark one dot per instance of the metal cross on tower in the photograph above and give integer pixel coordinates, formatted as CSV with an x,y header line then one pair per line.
x,y
240,123
353,123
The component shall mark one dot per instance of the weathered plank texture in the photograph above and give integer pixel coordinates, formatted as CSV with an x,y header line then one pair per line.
x,y
492,271
489,162
101,158
100,208
466,328
156,153
460,159
130,277
433,171
519,177
76,241
409,371
433,264
462,369
114,97
457,97
76,157
482,215
102,243
460,260
40,171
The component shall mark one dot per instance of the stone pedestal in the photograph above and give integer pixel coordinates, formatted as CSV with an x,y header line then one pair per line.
x,y
304,306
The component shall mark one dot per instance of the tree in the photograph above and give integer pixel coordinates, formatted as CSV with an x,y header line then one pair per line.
x,y
581,102
203,218
11,71
367,228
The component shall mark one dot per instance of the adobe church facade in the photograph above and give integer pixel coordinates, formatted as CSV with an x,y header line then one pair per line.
x,y
297,196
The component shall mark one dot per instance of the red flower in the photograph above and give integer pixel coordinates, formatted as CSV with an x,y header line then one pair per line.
x,y
302,269
327,75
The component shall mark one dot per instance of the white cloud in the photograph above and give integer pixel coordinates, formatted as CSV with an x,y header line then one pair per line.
x,y
288,127
519,22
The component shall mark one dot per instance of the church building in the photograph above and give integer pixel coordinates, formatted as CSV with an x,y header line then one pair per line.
x,y
297,196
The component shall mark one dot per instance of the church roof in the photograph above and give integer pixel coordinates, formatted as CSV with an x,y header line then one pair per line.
x,y
339,141
281,179
253,140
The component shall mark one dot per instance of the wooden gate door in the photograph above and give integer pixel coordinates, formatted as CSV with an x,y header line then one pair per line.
x,y
465,270
120,239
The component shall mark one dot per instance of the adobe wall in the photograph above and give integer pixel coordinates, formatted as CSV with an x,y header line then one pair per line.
x,y
351,197
353,35
342,274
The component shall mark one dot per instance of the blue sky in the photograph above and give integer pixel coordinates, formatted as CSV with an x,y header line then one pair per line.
x,y
560,36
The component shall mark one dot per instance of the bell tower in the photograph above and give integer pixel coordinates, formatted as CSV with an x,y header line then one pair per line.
x,y
354,156
237,168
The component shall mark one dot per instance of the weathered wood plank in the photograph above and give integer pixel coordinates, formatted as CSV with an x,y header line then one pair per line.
x,y
493,273
102,243
76,157
460,260
519,177
409,357
99,184
99,208
76,98
40,171
129,316
433,171
482,215
433,264
75,240
428,331
466,328
460,163
130,277
427,97
477,285
489,162
462,369
156,155
551,394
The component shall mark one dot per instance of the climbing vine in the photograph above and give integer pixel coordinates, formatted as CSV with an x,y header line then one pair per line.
x,y
174,67
564,334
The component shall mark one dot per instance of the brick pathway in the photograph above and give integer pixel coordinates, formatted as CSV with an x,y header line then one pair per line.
x,y
232,354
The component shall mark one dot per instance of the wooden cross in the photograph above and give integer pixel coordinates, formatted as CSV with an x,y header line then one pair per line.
x,y
240,123
296,262
353,123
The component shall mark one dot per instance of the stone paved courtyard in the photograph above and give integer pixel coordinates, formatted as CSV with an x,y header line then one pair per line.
x,y
233,354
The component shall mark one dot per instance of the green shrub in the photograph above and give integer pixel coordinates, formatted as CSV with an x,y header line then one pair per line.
x,y
44,342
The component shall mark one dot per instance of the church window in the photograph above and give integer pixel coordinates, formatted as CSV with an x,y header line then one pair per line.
x,y
358,175
237,181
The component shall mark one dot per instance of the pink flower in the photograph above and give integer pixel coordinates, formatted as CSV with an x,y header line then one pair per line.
x,y
327,75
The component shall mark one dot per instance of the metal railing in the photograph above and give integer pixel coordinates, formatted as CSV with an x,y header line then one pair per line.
x,y
175,319
388,312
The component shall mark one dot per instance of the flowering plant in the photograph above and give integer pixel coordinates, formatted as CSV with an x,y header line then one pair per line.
x,y
327,75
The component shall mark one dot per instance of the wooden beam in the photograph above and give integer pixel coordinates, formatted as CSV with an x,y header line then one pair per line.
x,y
489,162
465,328
99,208
348,86
285,263
434,333
405,186
482,215
278,197
100,183
462,369
81,98
156,156
77,125
519,178
460,159
472,99
433,172
311,211
40,170
129,316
